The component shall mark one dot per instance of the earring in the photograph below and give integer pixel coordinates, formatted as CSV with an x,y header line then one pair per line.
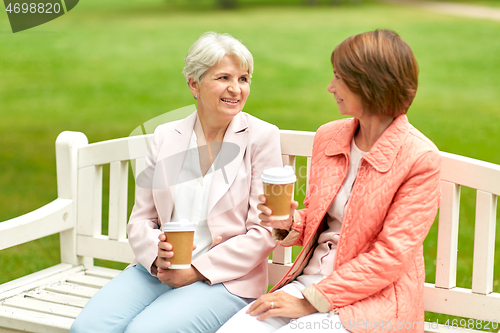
x,y
196,96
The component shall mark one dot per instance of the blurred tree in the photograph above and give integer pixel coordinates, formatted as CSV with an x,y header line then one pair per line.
x,y
227,4
231,4
333,2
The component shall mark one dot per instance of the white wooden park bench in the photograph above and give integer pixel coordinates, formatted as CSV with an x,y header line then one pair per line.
x,y
49,300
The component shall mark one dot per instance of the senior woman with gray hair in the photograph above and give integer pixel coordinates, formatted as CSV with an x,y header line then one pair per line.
x,y
205,168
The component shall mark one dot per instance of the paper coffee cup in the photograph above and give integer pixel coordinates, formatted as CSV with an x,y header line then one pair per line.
x,y
278,189
181,236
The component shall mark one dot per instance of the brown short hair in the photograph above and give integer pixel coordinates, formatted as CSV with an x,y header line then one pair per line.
x,y
381,68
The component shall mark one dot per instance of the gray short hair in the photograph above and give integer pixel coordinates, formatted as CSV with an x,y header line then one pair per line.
x,y
209,50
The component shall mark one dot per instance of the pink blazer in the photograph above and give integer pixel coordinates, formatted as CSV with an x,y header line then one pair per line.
x,y
240,245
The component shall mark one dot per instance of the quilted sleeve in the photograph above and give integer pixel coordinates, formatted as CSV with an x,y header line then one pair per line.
x,y
405,227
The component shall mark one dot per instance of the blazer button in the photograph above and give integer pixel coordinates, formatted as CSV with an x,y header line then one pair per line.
x,y
218,239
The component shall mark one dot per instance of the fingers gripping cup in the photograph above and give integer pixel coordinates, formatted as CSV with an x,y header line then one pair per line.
x,y
278,189
181,236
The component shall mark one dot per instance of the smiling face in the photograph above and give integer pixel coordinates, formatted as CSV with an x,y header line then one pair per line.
x,y
349,103
223,90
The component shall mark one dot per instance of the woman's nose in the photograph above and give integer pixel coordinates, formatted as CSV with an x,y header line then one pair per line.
x,y
233,86
331,87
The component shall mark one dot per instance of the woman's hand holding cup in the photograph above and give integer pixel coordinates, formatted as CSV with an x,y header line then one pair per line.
x,y
266,215
164,252
174,278
278,192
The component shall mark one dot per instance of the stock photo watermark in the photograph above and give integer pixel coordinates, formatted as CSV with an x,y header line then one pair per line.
x,y
26,14
330,324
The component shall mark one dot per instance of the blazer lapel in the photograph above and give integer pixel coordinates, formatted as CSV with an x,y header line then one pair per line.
x,y
168,166
229,160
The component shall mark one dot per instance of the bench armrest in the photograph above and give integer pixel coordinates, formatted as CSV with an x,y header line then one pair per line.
x,y
52,218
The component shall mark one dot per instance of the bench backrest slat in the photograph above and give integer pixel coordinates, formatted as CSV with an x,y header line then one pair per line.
x,y
89,204
298,143
122,149
485,178
470,172
444,297
118,191
484,243
462,302
446,259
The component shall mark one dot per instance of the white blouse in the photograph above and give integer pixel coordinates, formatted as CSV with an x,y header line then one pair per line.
x,y
321,263
191,197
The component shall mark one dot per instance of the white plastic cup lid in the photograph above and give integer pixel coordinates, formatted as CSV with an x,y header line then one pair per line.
x,y
182,225
279,176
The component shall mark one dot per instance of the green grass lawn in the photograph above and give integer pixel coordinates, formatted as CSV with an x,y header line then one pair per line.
x,y
106,67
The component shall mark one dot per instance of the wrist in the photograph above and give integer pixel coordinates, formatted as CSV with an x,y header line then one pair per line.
x,y
287,224
154,268
199,276
295,220
308,307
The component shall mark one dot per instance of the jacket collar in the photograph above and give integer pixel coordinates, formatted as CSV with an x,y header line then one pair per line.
x,y
237,124
186,125
230,158
383,153
171,159
169,164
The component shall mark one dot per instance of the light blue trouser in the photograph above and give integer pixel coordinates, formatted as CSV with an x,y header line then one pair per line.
x,y
135,301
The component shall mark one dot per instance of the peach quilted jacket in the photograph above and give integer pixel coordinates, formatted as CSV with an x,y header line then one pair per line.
x,y
378,277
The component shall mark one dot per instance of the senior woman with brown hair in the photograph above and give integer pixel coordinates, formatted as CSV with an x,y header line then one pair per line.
x,y
206,169
374,193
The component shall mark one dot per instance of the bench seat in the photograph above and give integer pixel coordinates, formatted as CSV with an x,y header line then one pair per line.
x,y
49,300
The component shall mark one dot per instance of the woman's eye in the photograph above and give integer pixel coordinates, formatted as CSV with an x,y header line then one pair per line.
x,y
223,78
244,79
